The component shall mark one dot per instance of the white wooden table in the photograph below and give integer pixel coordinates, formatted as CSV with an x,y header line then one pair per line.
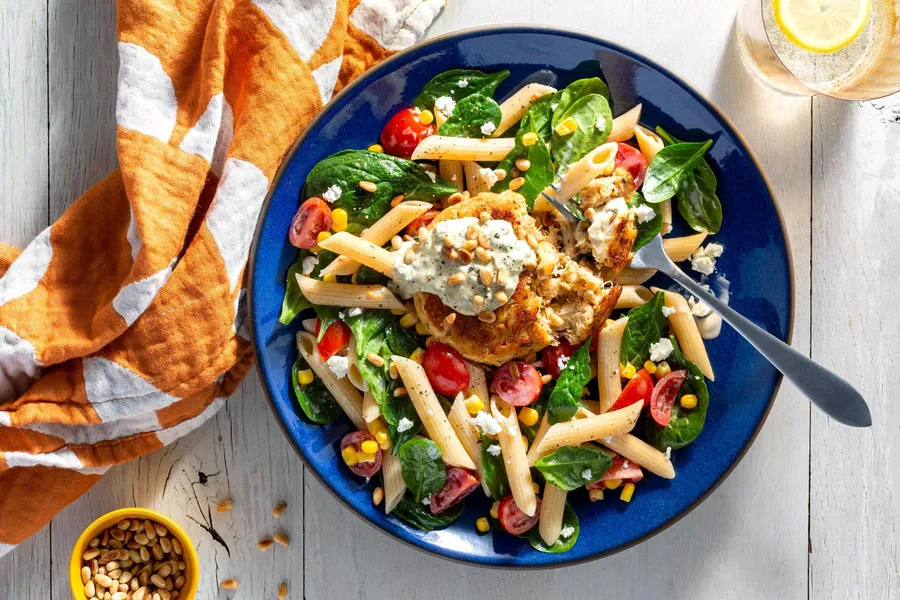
x,y
811,512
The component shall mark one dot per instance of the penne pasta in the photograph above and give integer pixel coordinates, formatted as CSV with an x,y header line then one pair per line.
x,y
648,142
633,295
597,162
394,484
380,233
628,276
515,107
665,207
475,181
362,251
348,295
635,449
353,373
438,147
592,406
370,409
543,428
609,381
678,249
553,504
477,383
688,335
465,431
430,412
579,431
514,457
623,127
347,396
452,171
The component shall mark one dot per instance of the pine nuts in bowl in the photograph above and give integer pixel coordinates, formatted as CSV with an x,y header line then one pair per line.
x,y
133,554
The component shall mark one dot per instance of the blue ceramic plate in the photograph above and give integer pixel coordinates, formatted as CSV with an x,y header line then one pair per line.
x,y
756,261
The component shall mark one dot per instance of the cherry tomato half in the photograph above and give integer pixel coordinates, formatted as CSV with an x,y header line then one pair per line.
x,y
446,369
664,395
312,218
618,470
554,358
513,520
404,131
517,383
639,388
460,483
336,337
631,159
363,469
423,221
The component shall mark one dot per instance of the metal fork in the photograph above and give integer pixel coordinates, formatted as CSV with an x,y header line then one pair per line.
x,y
567,209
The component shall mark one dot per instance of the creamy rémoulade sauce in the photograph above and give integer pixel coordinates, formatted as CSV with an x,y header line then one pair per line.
x,y
442,264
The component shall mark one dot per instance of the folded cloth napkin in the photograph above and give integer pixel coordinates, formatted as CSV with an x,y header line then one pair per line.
x,y
122,326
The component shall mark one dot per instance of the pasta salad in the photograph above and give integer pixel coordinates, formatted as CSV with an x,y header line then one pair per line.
x,y
477,339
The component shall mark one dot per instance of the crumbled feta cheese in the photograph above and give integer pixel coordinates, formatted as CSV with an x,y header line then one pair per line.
x,y
486,423
554,105
601,123
643,213
698,309
586,474
703,260
562,361
488,176
494,450
668,452
433,452
332,193
567,531
661,350
431,174
354,312
338,365
426,501
488,128
607,439
463,83
445,104
404,425
668,311
309,263
624,464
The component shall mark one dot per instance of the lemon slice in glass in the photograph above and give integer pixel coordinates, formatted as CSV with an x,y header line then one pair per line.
x,y
822,25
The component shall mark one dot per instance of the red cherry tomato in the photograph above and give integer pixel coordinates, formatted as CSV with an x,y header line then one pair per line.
x,y
355,439
423,221
664,395
618,470
460,483
336,337
312,218
554,358
446,369
404,131
631,159
517,383
639,388
513,520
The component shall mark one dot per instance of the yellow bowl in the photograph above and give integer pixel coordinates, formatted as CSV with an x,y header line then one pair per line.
x,y
192,565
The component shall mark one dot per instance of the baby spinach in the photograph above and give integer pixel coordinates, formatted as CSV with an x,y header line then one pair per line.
x,y
422,465
493,470
697,199
563,544
685,424
391,175
566,468
458,84
540,405
327,315
369,276
401,341
566,396
646,325
647,230
294,302
593,118
315,400
538,176
418,515
541,115
670,168
575,91
470,114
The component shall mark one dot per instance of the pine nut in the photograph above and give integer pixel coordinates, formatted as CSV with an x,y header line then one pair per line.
x,y
149,530
400,391
449,320
483,255
487,317
176,546
282,539
523,164
375,359
477,301
283,589
157,552
469,245
225,506
89,589
501,297
139,594
368,186
166,544
117,534
229,584
179,582
516,183
465,256
145,554
102,580
119,596
486,276
158,581
161,530
85,574
123,525
94,543
500,173
484,216
546,378
456,279
472,232
397,200
142,539
90,554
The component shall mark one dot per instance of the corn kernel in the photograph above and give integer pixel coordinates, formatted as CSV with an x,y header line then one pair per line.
x,y
408,320
495,510
376,426
369,446
529,139
482,525
474,404
595,494
305,377
376,148
398,312
608,322
612,484
536,487
383,439
566,127
349,455
628,371
662,369
339,219
650,367
421,329
426,117
529,416
689,401
418,356
323,235
365,457
627,492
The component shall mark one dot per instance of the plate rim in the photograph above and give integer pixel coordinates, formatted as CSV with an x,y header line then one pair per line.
x,y
377,70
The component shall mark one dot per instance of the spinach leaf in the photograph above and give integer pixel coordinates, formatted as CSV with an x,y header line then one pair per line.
x,y
563,544
541,115
390,174
365,326
566,396
327,315
294,302
470,114
448,84
422,465
493,470
594,119
538,176
401,341
685,424
646,325
670,168
647,230
315,400
697,200
566,468
369,276
575,91
418,515
540,405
